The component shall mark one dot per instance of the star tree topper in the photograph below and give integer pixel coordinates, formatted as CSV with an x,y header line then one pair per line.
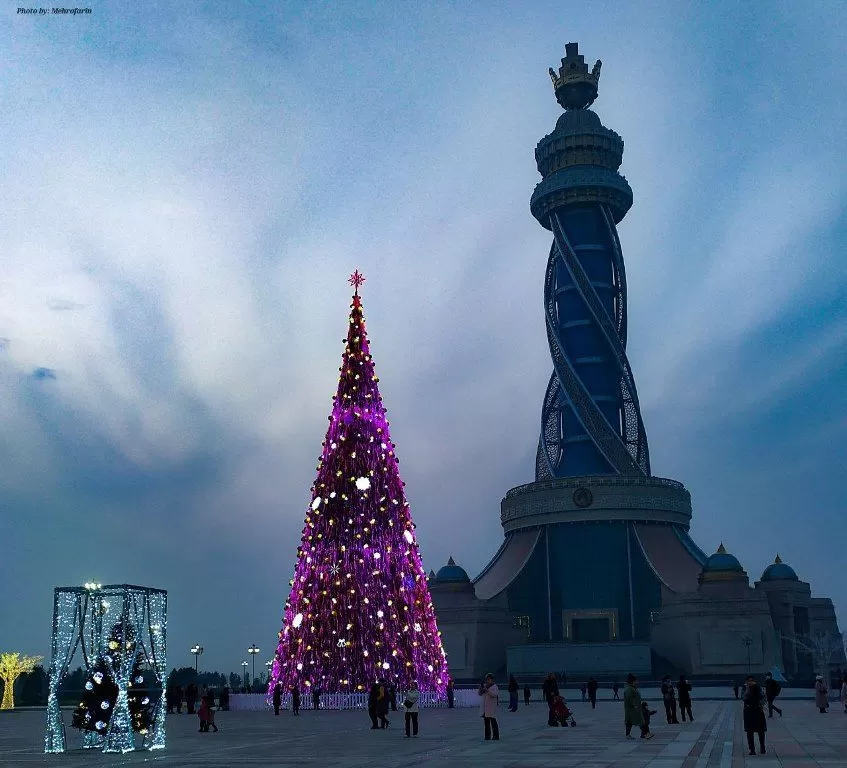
x,y
356,279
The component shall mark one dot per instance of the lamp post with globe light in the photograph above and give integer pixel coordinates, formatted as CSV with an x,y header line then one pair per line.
x,y
253,650
197,650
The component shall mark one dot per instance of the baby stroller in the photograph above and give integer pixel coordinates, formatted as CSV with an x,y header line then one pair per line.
x,y
562,713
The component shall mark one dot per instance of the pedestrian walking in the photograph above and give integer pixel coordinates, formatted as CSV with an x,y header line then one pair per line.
x,y
684,689
411,710
582,690
277,698
844,693
527,694
488,696
632,710
392,697
646,714
207,716
550,689
190,697
592,692
224,700
382,704
373,705
615,689
316,698
513,694
450,693
735,688
772,690
669,699
210,716
295,699
821,697
755,722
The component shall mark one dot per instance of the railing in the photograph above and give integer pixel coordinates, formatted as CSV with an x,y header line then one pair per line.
x,y
463,697
604,480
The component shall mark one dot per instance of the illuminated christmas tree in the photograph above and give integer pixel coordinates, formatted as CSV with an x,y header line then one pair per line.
x,y
359,609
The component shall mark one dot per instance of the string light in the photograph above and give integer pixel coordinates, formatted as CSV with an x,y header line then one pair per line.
x,y
359,583
112,651
12,666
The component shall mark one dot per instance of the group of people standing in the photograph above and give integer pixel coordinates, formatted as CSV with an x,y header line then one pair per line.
x,y
676,698
175,695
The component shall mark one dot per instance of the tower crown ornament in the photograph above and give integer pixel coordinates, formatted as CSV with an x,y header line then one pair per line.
x,y
575,86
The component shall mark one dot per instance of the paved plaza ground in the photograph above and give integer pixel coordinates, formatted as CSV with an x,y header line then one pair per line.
x,y
802,739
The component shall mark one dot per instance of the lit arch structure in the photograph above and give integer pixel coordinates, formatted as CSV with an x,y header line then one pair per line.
x,y
82,619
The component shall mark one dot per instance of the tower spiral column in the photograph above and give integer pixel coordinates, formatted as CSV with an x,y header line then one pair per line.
x,y
591,419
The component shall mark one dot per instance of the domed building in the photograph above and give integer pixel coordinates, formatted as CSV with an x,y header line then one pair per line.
x,y
727,627
475,633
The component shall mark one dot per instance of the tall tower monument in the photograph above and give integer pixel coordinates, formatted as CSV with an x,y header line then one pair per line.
x,y
597,574
590,546
591,421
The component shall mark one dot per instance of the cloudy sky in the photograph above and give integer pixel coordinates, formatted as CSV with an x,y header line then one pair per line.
x,y
184,194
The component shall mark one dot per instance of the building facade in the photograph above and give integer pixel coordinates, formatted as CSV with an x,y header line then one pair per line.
x,y
597,569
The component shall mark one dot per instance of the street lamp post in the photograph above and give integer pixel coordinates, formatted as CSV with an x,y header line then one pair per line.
x,y
253,650
748,641
245,665
196,650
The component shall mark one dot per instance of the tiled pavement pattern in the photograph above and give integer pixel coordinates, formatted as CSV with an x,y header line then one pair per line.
x,y
803,738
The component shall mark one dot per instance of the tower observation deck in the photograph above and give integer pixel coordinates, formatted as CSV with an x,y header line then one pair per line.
x,y
591,420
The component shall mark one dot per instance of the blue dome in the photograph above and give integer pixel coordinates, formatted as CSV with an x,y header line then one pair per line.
x,y
452,573
722,561
779,570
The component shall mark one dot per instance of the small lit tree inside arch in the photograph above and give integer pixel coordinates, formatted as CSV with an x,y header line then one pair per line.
x,y
12,666
359,607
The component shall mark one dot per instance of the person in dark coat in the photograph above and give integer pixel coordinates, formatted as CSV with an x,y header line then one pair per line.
x,y
736,688
382,704
190,697
615,689
513,694
224,700
772,690
392,697
316,698
754,715
277,698
669,699
169,699
373,705
633,712
178,696
210,697
592,692
295,700
683,687
527,694
550,689
451,694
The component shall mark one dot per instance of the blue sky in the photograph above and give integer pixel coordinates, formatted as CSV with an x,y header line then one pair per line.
x,y
185,194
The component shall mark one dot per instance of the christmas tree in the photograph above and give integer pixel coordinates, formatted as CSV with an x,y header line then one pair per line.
x,y
101,689
359,609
